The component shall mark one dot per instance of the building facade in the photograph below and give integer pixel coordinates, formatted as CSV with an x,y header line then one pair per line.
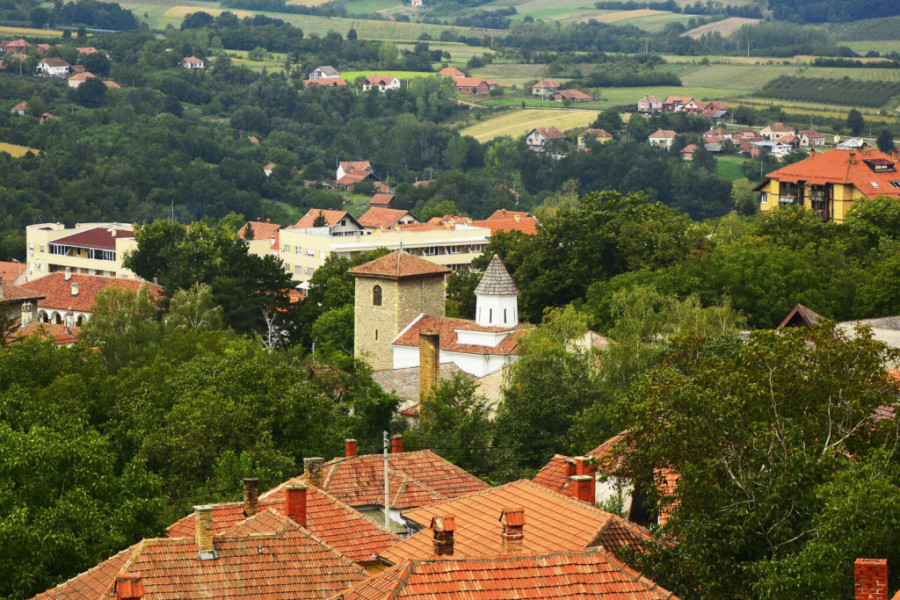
x,y
87,249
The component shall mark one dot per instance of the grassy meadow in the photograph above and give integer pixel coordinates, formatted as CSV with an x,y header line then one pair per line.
x,y
15,150
517,123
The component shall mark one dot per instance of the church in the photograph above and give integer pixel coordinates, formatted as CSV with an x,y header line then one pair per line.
x,y
400,302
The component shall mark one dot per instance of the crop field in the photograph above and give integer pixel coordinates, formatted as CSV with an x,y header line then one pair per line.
x,y
519,122
882,46
512,73
22,31
16,151
459,53
726,27
351,76
655,22
846,92
812,108
362,7
306,2
180,12
887,28
627,15
734,76
534,103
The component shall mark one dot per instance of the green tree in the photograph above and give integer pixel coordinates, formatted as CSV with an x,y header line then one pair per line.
x,y
91,93
855,122
195,309
388,55
885,141
333,329
754,432
461,294
743,198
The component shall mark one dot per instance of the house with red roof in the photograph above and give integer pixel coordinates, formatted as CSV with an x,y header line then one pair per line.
x,y
382,83
193,63
415,479
662,138
591,575
325,82
261,237
810,138
830,182
87,249
20,109
591,135
382,200
553,523
53,67
340,223
267,555
451,72
538,137
471,85
571,96
649,105
77,79
776,130
19,45
17,302
687,153
544,89
379,217
715,110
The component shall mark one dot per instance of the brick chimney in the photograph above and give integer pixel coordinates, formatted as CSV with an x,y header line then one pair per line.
x,y
312,468
584,487
870,577
429,363
397,444
74,288
443,528
251,496
571,467
853,157
129,586
513,535
295,503
582,467
203,533
349,448
895,155
812,152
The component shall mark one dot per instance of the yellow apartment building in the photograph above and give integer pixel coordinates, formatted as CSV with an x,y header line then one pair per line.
x,y
86,249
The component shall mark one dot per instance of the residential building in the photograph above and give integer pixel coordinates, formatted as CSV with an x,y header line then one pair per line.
x,y
544,89
776,148
77,79
589,136
715,110
337,223
662,138
538,137
451,72
649,105
193,63
810,138
10,271
830,182
337,524
471,85
86,249
381,218
717,135
382,83
20,109
479,347
416,3
19,45
351,172
687,153
87,50
262,237
554,523
326,82
594,575
571,96
682,104
111,84
266,554
325,72
382,200
776,130
415,479
17,302
69,299
53,67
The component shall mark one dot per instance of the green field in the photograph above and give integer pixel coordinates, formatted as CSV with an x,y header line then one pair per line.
x,y
729,167
882,46
351,76
871,29
363,7
517,123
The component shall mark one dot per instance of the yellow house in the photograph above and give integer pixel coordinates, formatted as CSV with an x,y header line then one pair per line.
x,y
86,249
829,182
585,137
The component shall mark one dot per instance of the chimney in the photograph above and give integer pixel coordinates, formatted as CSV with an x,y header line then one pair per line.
x,y
295,503
74,288
251,496
27,314
349,448
513,536
312,468
129,586
584,487
429,363
268,220
112,232
203,532
443,528
852,157
864,148
895,156
397,444
571,467
68,273
582,467
870,577
812,152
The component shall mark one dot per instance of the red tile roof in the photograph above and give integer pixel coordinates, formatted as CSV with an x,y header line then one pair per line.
x,y
555,475
261,230
528,225
600,134
380,79
101,238
12,293
550,133
10,271
82,76
451,72
354,177
593,575
378,216
779,128
834,166
355,165
62,335
333,217
546,83
554,523
689,149
325,82
446,328
415,479
54,62
57,291
266,557
381,199
574,95
663,133
399,265
507,214
343,528
470,82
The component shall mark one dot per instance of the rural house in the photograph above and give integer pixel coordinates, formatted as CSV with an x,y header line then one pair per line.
x,y
325,72
649,105
589,136
193,63
538,137
544,89
53,67
382,83
662,138
571,96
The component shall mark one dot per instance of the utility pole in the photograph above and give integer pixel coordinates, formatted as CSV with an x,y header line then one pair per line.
x,y
387,497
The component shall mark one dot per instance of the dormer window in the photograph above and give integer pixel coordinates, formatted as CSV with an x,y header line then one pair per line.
x,y
880,165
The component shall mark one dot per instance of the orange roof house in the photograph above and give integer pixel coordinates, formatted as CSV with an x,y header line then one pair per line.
x,y
325,82
10,271
382,200
359,539
451,72
545,88
572,95
471,85
265,556
593,575
378,217
830,182
260,229
553,523
399,265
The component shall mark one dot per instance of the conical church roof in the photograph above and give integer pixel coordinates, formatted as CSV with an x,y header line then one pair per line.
x,y
496,281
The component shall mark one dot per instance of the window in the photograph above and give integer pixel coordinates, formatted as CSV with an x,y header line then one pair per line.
x,y
298,250
895,184
42,247
453,250
490,315
430,251
322,254
298,270
310,271
763,198
504,315
376,334
376,295
310,252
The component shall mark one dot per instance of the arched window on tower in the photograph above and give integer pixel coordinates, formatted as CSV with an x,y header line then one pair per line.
x,y
376,295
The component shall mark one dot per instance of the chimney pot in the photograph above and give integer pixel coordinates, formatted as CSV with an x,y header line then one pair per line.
x,y
349,448
295,503
870,577
852,157
513,534
68,273
312,468
895,156
251,496
584,487
203,533
74,288
129,586
397,444
443,528
812,152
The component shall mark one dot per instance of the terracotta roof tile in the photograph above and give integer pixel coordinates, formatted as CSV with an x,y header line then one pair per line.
x,y
11,293
834,166
381,199
415,479
663,133
261,230
600,134
343,528
527,225
380,79
451,72
378,216
97,237
550,133
462,82
446,328
279,560
355,165
57,291
574,95
507,214
326,82
546,83
333,217
554,523
399,265
62,335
